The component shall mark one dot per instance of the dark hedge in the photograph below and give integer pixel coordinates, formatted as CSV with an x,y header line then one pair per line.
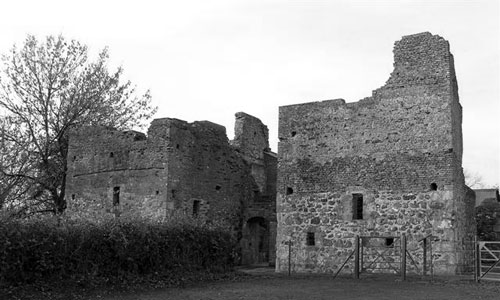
x,y
32,250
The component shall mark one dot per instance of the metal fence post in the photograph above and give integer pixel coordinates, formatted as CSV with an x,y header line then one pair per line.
x,y
356,257
474,261
425,257
361,254
289,258
403,257
430,257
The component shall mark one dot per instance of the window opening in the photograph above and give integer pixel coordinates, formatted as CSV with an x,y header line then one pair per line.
x,y
434,186
389,242
289,191
310,239
116,196
173,194
157,192
73,196
196,207
217,187
357,206
294,133
111,154
177,146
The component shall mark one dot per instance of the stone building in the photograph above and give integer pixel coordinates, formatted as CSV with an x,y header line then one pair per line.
x,y
387,165
486,196
181,166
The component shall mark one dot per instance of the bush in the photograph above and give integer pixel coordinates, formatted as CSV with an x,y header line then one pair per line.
x,y
49,248
486,219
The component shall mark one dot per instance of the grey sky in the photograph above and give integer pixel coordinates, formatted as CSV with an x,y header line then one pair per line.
x,y
206,60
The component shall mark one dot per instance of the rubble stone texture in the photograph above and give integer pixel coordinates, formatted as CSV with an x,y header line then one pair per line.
x,y
181,167
390,148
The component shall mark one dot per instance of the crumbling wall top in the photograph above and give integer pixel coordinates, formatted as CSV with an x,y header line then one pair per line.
x,y
251,136
420,59
162,128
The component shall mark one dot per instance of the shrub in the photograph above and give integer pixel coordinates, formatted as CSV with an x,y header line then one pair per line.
x,y
49,248
486,219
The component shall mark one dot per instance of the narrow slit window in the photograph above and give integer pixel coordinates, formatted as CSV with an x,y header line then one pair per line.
x,y
111,154
310,240
116,196
196,208
357,206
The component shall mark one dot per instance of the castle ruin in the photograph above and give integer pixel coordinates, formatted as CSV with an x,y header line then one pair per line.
x,y
180,166
387,165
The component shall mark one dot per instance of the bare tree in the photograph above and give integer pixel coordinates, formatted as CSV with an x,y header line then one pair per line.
x,y
473,180
47,88
11,162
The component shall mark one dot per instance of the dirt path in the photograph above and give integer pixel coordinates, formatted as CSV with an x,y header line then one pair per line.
x,y
321,287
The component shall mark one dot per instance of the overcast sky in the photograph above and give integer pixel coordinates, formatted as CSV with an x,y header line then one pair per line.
x,y
206,60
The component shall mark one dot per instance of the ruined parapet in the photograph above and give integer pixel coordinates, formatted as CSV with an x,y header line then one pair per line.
x,y
251,140
421,60
251,136
389,164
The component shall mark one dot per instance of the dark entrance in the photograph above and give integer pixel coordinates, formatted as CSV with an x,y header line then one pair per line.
x,y
255,242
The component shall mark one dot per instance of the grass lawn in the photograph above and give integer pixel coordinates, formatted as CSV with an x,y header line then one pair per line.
x,y
270,286
323,287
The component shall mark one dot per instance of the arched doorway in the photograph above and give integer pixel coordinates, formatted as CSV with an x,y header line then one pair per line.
x,y
255,242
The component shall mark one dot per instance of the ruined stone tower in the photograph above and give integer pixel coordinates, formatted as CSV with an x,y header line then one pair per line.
x,y
181,167
389,164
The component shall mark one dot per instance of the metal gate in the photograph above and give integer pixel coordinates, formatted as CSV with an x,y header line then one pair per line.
x,y
380,254
488,261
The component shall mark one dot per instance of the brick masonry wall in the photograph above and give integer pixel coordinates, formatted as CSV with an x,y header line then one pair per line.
x,y
388,147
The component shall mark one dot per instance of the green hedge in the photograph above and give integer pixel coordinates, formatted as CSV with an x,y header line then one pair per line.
x,y
44,249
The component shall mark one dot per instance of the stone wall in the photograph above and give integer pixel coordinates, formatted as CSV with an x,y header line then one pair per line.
x,y
251,141
101,159
179,167
400,149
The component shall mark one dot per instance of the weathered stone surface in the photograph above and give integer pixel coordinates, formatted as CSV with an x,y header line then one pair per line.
x,y
390,148
181,166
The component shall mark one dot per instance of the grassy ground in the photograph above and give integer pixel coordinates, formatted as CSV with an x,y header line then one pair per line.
x,y
278,287
321,287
